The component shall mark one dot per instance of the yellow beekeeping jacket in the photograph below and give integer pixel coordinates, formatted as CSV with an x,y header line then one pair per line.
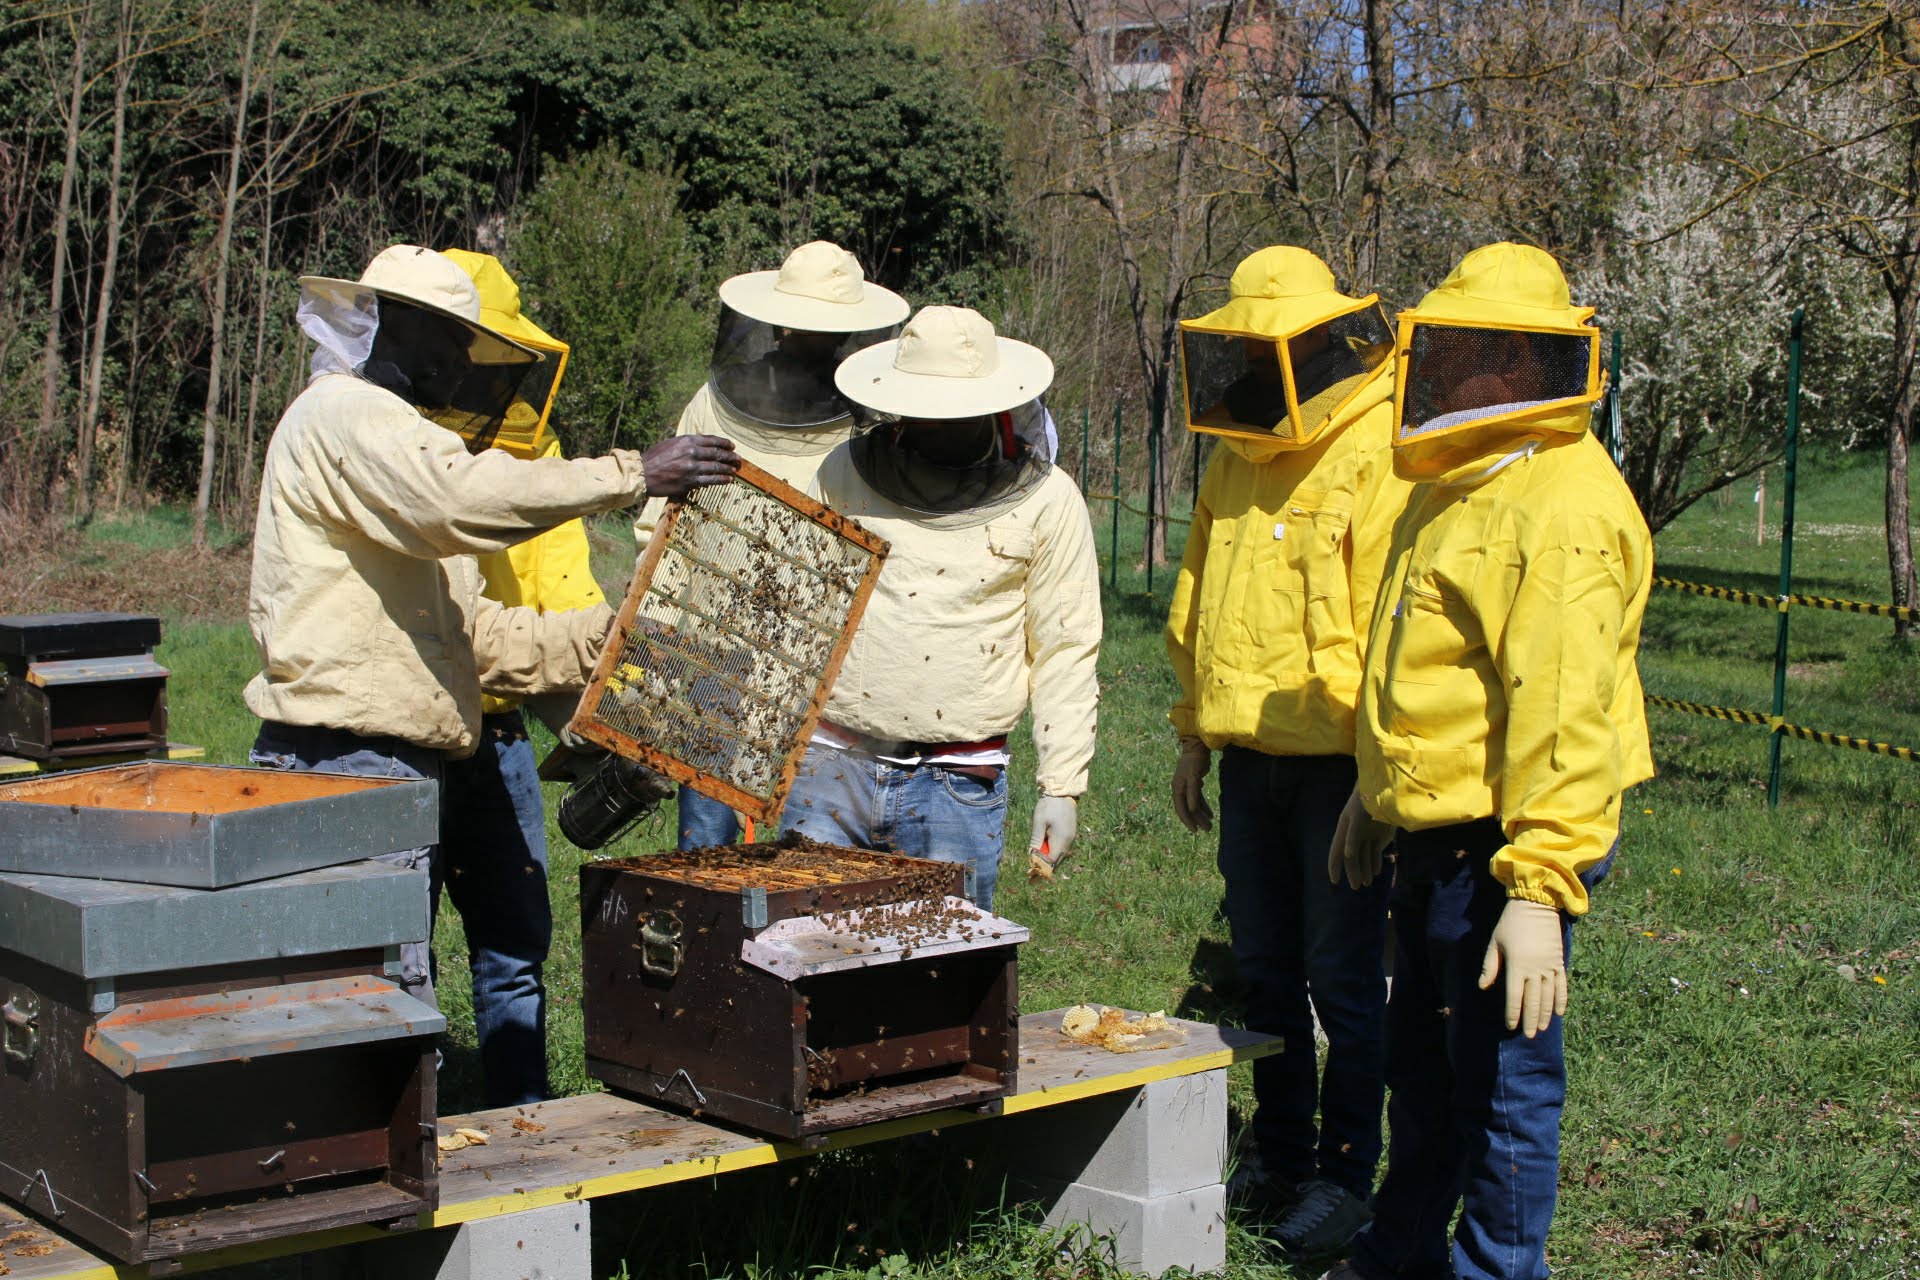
x,y
365,598
550,572
792,454
1268,628
973,618
1502,680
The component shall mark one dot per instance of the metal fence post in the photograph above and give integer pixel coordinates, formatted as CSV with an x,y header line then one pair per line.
x,y
1153,488
1114,540
1775,738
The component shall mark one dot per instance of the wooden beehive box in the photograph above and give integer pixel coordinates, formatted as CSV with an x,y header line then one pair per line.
x,y
183,1069
795,988
81,684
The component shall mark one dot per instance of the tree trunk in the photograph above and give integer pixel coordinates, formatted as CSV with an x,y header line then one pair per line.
x,y
222,270
1378,145
96,372
260,313
62,219
1899,434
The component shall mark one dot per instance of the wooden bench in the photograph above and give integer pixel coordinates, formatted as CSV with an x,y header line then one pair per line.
x,y
1128,1146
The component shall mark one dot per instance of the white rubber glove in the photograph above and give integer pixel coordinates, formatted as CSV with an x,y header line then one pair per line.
x,y
1527,944
1359,841
1055,819
1189,787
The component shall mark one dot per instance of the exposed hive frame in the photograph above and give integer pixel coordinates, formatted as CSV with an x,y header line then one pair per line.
x,y
737,621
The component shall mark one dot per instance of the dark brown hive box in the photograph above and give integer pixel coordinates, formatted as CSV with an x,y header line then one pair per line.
x,y
81,684
182,1069
795,988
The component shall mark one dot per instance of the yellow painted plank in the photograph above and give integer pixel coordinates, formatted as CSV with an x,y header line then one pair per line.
x,y
1046,1058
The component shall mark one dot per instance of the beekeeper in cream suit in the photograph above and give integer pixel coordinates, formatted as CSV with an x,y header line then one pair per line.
x,y
378,491
989,602
770,390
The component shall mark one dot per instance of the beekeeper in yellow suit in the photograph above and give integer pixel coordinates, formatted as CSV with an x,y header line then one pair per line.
x,y
1501,721
770,390
494,832
989,602
378,491
1267,634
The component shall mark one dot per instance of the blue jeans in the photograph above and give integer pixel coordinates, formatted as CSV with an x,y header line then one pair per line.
x,y
705,822
1297,937
1476,1108
493,864
844,797
311,749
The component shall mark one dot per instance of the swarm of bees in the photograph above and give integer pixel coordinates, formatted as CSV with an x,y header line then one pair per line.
x,y
731,635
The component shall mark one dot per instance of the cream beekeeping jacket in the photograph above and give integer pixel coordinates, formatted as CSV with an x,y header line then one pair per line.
x,y
792,454
365,599
970,619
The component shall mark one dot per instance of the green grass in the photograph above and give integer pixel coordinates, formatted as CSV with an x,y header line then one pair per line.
x,y
1738,1108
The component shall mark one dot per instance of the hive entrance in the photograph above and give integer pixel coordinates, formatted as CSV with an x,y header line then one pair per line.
x,y
736,623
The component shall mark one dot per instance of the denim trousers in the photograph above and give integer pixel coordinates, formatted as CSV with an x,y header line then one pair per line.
x,y
492,861
493,866
705,822
315,749
1475,1114
923,811
1298,938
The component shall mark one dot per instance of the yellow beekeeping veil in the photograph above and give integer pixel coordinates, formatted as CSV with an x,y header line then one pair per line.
x,y
525,432
1286,353
1498,350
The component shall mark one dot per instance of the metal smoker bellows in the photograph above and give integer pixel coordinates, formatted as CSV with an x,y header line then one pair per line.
x,y
738,618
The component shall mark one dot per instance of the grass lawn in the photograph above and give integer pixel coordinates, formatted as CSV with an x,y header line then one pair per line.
x,y
1739,1105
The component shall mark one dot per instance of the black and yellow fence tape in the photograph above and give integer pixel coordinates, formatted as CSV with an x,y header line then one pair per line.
x,y
1777,725
1782,603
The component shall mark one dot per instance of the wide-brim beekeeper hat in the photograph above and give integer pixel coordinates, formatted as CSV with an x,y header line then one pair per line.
x,y
819,288
1498,344
526,431
947,363
345,317
1258,367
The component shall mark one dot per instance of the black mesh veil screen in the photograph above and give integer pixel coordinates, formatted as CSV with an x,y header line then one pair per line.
x,y
782,377
1459,375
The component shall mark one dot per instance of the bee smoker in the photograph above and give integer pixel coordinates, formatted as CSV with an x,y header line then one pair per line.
x,y
598,809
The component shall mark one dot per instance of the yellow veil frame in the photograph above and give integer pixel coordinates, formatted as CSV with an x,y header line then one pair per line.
x,y
1286,373
1412,319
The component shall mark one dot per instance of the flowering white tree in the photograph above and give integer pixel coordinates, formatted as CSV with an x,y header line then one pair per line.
x,y
1703,306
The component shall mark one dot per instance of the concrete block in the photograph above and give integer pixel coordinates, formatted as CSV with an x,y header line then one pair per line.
x,y
554,1243
1160,1139
1149,1236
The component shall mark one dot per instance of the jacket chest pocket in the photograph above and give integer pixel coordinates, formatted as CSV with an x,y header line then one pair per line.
x,y
1310,547
1426,644
1008,560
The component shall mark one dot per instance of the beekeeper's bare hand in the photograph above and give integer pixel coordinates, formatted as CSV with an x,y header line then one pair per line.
x,y
1189,786
1359,843
676,467
1528,945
